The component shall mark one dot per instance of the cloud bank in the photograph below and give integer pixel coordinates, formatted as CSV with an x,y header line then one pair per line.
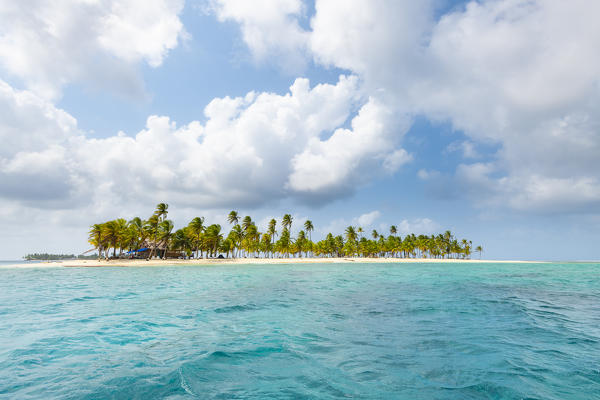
x,y
521,74
253,149
48,45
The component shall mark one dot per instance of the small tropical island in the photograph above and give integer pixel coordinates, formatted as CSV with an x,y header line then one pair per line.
x,y
157,238
57,257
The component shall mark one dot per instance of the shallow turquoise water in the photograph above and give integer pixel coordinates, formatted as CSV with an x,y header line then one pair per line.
x,y
408,331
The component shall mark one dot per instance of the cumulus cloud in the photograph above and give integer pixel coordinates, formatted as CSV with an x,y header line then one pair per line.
x,y
32,158
51,44
521,74
251,150
509,76
418,226
337,226
529,192
30,123
367,219
425,174
500,71
270,28
466,148
340,162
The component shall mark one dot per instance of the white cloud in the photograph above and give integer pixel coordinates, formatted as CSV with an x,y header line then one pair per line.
x,y
466,148
342,160
521,74
32,156
427,174
249,151
51,44
29,123
524,74
141,29
379,39
270,28
529,192
367,219
418,226
338,226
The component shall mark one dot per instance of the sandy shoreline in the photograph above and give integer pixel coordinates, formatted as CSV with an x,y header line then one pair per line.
x,y
243,261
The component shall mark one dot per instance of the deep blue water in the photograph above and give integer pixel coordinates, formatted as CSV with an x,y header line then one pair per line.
x,y
384,331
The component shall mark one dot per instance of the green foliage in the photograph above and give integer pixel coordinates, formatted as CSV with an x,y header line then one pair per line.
x,y
245,240
52,257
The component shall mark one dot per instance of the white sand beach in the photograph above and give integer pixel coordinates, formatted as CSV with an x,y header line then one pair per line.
x,y
244,261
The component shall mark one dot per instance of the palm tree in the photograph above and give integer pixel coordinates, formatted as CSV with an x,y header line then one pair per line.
x,y
246,222
95,238
338,244
448,242
213,238
138,225
159,215
112,233
301,242
233,218
286,222
182,241
166,229
308,225
265,244
349,248
122,233
157,232
272,232
196,227
466,249
351,234
226,247
422,244
284,242
161,211
252,239
236,235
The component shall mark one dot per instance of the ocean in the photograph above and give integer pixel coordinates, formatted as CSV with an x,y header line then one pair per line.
x,y
302,331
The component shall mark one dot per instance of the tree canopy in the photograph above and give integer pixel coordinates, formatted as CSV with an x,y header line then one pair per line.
x,y
199,239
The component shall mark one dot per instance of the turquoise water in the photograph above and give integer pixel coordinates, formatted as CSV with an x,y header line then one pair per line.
x,y
12,262
382,331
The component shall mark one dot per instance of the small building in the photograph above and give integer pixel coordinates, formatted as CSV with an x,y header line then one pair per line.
x,y
161,251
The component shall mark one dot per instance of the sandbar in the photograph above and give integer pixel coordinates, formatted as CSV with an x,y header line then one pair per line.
x,y
243,261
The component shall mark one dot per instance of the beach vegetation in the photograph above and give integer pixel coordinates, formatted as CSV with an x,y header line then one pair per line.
x,y
57,257
157,237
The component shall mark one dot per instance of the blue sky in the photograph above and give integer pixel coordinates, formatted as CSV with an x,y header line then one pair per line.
x,y
478,117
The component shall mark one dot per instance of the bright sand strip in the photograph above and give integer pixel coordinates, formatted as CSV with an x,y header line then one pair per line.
x,y
244,261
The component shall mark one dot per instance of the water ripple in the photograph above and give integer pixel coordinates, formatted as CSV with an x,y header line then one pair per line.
x,y
412,331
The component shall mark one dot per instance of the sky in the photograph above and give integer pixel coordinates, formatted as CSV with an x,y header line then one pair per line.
x,y
479,117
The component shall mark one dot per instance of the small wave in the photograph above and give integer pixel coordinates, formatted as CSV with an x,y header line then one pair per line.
x,y
125,295
261,351
236,308
184,384
368,375
83,299
488,390
219,354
